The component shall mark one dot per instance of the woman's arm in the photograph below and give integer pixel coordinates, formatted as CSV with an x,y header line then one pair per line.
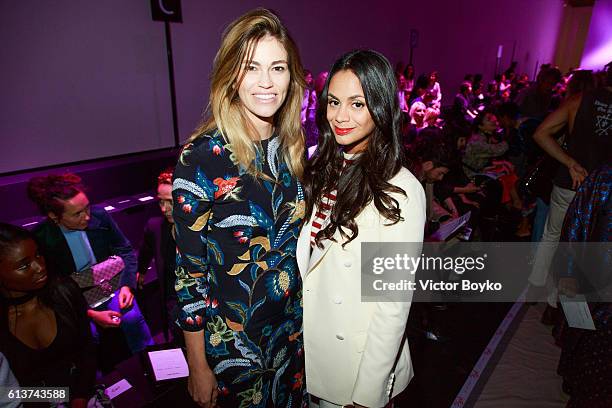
x,y
554,122
450,205
193,197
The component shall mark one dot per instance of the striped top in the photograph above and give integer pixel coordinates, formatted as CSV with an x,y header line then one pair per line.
x,y
320,219
323,212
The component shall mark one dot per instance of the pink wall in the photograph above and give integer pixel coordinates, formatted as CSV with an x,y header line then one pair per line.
x,y
88,79
455,37
598,46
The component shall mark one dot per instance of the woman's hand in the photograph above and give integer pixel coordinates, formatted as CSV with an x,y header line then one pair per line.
x,y
140,281
568,286
202,386
106,318
577,172
126,297
471,188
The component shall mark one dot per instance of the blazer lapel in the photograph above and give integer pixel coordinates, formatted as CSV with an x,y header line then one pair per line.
x,y
302,253
318,254
306,258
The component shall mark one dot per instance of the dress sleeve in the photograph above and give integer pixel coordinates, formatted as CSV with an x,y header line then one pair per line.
x,y
193,197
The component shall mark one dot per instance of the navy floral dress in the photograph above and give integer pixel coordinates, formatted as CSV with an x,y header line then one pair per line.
x,y
237,276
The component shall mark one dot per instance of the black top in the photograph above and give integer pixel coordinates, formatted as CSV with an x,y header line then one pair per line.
x,y
159,244
590,141
69,361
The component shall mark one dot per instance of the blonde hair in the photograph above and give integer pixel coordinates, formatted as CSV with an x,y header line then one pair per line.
x,y
225,111
415,106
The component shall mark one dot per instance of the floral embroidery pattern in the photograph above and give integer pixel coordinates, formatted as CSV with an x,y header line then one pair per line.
x,y
237,276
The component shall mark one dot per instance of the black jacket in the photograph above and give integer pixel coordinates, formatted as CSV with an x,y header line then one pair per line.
x,y
105,238
157,237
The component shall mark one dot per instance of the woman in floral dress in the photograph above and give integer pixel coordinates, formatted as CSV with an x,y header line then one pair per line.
x,y
238,206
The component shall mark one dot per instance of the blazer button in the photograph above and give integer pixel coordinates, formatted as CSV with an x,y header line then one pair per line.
x,y
339,336
348,264
337,300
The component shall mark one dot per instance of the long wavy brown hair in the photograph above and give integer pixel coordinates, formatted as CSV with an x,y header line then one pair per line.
x,y
226,113
367,179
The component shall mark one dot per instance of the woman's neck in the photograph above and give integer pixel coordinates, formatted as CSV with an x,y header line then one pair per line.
x,y
264,127
264,130
22,300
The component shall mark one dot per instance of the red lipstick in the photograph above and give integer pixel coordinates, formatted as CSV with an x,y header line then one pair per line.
x,y
343,131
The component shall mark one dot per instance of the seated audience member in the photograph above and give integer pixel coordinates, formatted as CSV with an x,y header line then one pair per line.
x,y
431,156
409,75
502,83
431,117
462,105
520,83
44,329
482,148
401,92
586,357
467,195
535,100
433,91
419,90
417,115
478,101
310,98
158,243
74,237
309,109
491,94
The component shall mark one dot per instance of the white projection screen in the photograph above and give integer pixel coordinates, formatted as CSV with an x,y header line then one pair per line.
x,y
81,80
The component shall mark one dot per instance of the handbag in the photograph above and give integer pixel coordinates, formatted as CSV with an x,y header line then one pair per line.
x,y
100,281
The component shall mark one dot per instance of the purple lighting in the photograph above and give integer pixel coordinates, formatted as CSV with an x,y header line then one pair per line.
x,y
598,46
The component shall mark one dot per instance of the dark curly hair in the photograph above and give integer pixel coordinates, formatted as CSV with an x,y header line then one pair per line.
x,y
367,179
165,177
49,192
11,235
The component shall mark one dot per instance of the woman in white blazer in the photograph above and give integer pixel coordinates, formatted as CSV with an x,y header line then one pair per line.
x,y
357,191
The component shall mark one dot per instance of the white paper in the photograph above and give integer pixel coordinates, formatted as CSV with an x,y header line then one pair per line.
x,y
168,364
577,312
117,388
446,229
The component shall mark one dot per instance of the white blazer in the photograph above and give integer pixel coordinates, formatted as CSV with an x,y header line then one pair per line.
x,y
350,346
